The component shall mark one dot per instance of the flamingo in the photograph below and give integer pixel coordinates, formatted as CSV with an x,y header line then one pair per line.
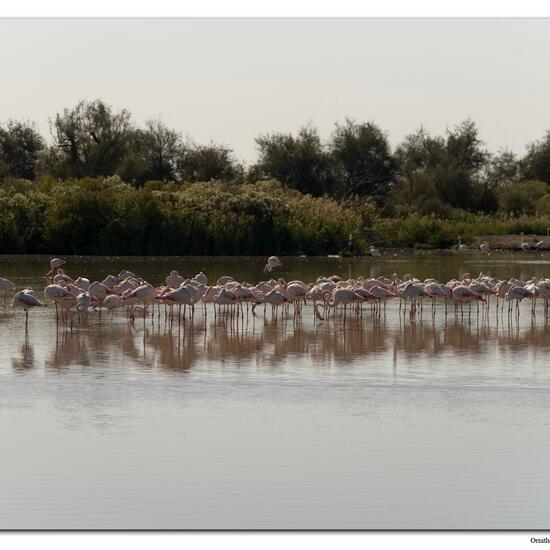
x,y
144,293
61,276
517,294
414,291
61,297
435,290
485,248
275,299
83,302
374,251
82,283
201,278
124,274
112,302
174,280
98,291
462,293
26,300
296,292
180,296
462,247
224,279
523,244
272,263
340,296
55,263
110,281
5,285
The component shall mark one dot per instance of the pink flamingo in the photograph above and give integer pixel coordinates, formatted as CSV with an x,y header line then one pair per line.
x,y
5,285
26,300
55,263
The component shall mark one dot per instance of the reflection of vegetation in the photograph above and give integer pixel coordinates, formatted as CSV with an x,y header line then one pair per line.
x,y
105,185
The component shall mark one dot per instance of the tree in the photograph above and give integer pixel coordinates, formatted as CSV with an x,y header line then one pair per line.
x,y
152,154
89,140
536,163
465,148
20,147
362,159
206,163
453,166
501,171
297,161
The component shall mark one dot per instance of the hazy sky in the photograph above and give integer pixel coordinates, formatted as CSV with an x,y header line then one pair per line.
x,y
232,80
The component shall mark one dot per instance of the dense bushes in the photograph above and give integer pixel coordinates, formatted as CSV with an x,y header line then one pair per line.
x,y
417,229
107,216
104,185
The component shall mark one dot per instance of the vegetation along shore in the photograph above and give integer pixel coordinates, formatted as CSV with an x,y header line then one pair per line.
x,y
100,184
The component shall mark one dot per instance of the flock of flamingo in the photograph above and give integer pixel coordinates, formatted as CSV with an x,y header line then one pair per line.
x,y
327,294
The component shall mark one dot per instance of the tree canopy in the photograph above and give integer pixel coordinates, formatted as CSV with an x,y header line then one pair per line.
x,y
431,174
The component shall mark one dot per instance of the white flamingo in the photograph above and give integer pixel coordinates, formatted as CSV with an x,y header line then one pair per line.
x,y
61,297
5,285
112,302
26,300
174,280
525,247
82,283
462,247
55,263
272,263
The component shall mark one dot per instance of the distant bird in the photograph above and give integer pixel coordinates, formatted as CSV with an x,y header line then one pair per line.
x,y
26,300
55,263
525,247
540,245
485,248
272,263
373,251
462,247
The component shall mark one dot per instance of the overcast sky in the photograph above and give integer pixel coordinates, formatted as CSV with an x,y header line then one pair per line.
x,y
231,80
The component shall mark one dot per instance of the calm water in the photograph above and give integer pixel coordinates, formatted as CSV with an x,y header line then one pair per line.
x,y
247,423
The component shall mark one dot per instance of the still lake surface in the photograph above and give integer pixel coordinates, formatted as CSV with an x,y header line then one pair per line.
x,y
240,424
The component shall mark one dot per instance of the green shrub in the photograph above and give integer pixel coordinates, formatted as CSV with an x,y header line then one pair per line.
x,y
108,216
